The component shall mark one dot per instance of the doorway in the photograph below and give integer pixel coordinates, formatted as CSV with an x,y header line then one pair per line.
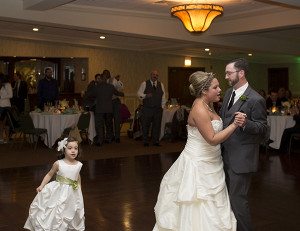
x,y
277,78
178,83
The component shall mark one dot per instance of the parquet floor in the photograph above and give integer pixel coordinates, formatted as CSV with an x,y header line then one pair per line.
x,y
120,193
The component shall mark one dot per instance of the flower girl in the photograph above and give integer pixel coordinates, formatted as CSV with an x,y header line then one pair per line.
x,y
58,205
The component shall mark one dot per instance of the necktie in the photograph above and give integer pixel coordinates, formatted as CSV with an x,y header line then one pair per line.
x,y
231,100
154,86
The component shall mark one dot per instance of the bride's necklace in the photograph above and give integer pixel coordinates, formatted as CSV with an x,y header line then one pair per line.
x,y
208,107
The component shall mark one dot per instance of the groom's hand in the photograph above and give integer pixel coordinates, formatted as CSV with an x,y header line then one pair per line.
x,y
240,119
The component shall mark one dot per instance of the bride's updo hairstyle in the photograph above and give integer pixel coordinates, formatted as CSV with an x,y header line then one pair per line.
x,y
200,81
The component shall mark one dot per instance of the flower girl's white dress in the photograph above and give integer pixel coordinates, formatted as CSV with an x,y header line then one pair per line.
x,y
193,195
59,206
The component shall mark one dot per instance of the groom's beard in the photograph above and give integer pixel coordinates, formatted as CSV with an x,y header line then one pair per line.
x,y
234,81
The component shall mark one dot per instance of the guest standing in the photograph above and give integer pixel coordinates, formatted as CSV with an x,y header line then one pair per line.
x,y
20,92
90,103
152,92
47,90
108,119
6,94
103,93
116,82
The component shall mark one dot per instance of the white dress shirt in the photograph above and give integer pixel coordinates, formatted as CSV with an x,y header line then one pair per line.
x,y
118,86
239,92
6,93
142,88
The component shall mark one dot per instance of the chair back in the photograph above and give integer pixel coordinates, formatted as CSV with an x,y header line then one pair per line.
x,y
12,118
26,123
84,121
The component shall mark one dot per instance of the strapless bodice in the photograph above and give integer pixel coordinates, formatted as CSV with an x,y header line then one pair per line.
x,y
197,146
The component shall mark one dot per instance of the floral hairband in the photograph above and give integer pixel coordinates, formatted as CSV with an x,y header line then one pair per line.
x,y
62,144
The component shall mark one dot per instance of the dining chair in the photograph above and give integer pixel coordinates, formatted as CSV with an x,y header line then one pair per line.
x,y
26,127
82,125
294,137
267,141
11,122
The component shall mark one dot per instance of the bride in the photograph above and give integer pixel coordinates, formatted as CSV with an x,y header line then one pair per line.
x,y
193,194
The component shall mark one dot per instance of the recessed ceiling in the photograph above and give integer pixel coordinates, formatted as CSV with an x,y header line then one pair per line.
x,y
270,30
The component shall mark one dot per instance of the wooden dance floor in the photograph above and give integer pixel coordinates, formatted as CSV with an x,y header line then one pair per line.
x,y
120,193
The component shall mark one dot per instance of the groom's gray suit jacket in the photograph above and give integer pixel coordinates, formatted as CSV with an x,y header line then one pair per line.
x,y
241,149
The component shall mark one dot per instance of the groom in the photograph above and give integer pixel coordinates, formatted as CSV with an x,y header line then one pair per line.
x,y
241,150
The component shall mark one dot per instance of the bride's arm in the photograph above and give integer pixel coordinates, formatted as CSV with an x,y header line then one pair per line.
x,y
201,117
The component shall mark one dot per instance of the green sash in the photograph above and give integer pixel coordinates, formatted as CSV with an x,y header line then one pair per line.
x,y
68,181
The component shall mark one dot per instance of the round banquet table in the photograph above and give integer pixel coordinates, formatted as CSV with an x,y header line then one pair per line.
x,y
54,123
167,117
277,125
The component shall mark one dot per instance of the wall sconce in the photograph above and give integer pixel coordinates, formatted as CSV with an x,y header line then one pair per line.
x,y
187,61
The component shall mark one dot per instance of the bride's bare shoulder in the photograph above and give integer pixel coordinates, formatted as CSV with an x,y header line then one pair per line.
x,y
198,113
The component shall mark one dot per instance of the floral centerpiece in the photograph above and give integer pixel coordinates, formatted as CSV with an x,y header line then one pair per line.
x,y
286,105
63,105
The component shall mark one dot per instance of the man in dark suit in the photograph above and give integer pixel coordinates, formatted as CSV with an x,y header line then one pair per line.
x,y
272,100
90,103
20,92
241,150
47,90
102,93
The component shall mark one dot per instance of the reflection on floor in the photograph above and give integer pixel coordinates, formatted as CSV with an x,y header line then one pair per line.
x,y
120,193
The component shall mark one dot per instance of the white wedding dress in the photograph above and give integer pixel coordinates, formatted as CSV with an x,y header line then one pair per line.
x,y
193,195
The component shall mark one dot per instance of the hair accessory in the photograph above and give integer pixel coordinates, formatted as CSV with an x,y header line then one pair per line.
x,y
209,78
62,144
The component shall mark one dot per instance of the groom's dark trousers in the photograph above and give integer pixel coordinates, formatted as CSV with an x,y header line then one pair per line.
x,y
238,185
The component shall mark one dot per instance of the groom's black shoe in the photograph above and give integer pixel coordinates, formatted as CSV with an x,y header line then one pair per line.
x,y
157,144
146,144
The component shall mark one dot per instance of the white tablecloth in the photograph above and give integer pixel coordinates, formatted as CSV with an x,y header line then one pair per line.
x,y
167,117
56,123
277,125
92,129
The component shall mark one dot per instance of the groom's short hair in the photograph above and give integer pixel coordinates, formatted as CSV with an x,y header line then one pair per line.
x,y
241,64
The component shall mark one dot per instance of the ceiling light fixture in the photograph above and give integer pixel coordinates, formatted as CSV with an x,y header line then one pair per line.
x,y
197,17
35,29
102,37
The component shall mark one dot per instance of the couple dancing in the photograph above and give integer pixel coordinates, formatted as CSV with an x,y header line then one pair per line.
x,y
193,194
